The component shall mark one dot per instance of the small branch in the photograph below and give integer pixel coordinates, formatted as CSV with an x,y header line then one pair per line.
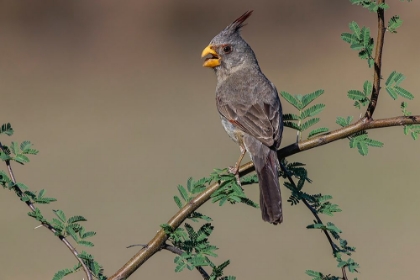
x,y
313,211
378,63
48,226
362,124
156,243
343,270
179,252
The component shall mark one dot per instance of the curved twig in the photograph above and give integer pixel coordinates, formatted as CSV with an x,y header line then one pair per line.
x,y
378,63
156,243
48,226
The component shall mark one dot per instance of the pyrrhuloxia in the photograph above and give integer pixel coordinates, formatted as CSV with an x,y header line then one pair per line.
x,y
250,110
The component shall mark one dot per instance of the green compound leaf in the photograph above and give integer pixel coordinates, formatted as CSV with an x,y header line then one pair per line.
x,y
312,111
178,202
292,125
308,98
76,219
393,23
367,88
290,117
363,148
356,95
291,99
344,122
85,243
372,6
360,41
362,142
6,129
392,86
183,192
62,273
317,131
403,92
355,28
60,214
309,123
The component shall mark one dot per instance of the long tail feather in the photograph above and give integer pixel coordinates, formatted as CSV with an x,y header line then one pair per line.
x,y
270,196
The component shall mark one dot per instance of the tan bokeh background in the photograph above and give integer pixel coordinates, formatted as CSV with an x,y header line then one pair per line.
x,y
114,96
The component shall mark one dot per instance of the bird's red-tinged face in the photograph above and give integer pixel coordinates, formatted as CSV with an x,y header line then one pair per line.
x,y
214,54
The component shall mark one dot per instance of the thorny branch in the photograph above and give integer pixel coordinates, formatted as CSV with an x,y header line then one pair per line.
x,y
46,225
313,211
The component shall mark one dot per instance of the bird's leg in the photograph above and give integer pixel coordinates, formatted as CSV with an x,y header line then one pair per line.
x,y
235,169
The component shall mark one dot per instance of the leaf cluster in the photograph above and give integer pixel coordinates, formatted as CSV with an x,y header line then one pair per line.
x,y
393,23
318,204
360,41
412,129
196,249
316,275
17,152
195,246
186,194
371,5
62,226
72,227
229,190
359,140
94,267
361,98
6,129
305,117
392,86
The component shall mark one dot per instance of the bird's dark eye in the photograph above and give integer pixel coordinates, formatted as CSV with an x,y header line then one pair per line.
x,y
227,49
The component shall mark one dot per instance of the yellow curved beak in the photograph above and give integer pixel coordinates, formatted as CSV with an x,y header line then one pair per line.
x,y
212,61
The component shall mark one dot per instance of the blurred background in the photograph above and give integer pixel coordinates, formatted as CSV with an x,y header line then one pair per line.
x,y
114,96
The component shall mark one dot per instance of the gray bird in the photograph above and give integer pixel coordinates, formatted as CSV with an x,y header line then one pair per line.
x,y
250,110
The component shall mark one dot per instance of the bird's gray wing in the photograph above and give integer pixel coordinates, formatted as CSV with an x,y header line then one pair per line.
x,y
260,119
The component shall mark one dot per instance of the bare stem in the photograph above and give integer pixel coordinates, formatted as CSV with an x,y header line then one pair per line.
x,y
343,270
48,226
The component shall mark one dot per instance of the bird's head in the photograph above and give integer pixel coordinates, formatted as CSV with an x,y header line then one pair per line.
x,y
227,50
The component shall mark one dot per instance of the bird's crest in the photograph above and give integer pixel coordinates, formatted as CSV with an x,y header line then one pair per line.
x,y
238,23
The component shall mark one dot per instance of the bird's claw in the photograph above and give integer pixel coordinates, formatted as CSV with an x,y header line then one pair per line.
x,y
235,171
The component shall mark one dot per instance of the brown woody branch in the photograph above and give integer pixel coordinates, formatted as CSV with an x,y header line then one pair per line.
x,y
343,270
156,243
362,124
378,63
48,226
